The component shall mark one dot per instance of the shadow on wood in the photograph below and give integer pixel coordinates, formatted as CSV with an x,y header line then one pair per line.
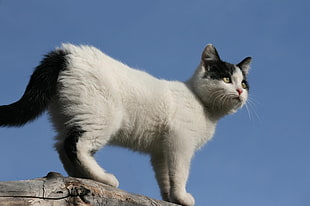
x,y
56,190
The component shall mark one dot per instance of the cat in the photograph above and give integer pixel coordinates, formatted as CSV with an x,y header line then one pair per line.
x,y
94,100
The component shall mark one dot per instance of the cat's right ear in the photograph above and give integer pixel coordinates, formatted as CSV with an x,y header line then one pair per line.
x,y
244,65
210,54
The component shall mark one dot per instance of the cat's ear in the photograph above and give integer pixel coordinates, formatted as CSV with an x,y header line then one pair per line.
x,y
244,65
210,54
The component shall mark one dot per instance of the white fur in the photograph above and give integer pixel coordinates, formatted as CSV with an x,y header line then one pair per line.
x,y
118,105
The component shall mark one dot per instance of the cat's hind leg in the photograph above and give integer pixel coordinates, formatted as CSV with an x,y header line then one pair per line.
x,y
76,153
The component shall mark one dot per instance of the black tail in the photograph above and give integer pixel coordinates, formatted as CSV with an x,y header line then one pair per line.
x,y
40,90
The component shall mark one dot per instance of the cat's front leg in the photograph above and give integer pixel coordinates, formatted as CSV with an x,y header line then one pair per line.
x,y
160,166
179,154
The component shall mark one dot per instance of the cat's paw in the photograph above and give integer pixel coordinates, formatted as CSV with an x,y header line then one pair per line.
x,y
113,181
165,196
185,199
109,179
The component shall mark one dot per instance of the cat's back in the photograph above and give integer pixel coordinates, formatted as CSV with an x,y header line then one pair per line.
x,y
91,74
88,62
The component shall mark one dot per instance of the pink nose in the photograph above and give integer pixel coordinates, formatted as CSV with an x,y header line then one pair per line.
x,y
239,91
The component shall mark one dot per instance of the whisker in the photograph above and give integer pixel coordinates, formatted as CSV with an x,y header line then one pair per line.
x,y
215,96
248,111
225,99
222,100
251,107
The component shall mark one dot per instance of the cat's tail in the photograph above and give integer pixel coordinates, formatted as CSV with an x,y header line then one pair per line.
x,y
40,90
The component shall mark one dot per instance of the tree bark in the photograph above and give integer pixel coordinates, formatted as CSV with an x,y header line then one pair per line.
x,y
56,190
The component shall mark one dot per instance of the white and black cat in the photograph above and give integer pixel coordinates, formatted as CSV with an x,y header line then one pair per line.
x,y
94,100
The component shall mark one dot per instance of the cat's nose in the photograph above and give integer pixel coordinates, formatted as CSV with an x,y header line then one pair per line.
x,y
239,91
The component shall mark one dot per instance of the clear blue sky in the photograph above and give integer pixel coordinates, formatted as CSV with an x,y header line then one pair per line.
x,y
262,160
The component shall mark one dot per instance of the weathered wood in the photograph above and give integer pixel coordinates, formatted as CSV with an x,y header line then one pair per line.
x,y
56,190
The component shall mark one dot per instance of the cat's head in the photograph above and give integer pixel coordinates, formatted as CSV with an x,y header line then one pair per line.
x,y
221,86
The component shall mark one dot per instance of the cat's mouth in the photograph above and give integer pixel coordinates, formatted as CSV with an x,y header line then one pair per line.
x,y
237,100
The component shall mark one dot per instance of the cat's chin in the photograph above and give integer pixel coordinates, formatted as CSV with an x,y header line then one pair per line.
x,y
237,102
235,107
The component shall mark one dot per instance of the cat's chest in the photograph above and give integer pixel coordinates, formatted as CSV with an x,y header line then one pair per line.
x,y
192,120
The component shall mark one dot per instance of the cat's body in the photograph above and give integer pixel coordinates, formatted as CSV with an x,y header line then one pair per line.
x,y
95,100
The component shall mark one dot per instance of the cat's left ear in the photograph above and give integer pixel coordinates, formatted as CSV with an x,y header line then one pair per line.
x,y
244,65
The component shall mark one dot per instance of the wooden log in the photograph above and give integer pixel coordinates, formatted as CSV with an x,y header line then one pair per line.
x,y
56,190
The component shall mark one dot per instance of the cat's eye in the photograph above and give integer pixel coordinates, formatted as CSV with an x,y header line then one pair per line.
x,y
227,79
244,85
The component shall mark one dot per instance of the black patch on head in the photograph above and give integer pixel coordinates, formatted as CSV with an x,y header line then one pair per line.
x,y
71,141
218,69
